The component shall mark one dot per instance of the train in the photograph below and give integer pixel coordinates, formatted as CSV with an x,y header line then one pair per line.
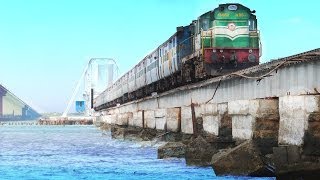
x,y
220,41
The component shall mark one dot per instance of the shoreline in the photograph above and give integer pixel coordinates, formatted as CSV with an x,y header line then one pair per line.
x,y
205,150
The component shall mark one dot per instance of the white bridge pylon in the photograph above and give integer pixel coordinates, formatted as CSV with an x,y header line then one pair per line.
x,y
98,74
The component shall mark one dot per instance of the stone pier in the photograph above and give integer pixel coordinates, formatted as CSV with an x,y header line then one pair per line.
x,y
273,136
299,135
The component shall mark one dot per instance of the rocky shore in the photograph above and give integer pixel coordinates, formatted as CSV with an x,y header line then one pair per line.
x,y
227,156
66,121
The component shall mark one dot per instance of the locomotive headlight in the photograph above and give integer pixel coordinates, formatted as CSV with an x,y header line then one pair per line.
x,y
251,58
250,51
221,50
213,50
214,57
232,7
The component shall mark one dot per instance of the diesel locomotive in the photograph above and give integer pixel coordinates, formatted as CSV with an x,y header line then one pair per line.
x,y
220,41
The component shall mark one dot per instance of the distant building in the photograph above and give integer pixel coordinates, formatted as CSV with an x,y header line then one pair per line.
x,y
13,108
80,106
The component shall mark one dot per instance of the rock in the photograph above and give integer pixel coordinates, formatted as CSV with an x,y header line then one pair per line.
x,y
171,149
132,133
199,152
291,163
117,132
310,175
242,160
148,134
126,133
105,127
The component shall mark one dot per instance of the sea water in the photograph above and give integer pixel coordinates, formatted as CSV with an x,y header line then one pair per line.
x,y
84,152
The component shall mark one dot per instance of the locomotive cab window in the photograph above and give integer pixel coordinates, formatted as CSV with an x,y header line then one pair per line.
x,y
205,24
252,25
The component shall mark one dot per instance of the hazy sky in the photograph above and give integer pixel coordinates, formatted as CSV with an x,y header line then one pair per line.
x,y
45,44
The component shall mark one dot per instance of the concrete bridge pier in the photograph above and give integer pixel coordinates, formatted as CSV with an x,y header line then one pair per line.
x,y
256,120
160,118
216,120
299,135
280,136
255,129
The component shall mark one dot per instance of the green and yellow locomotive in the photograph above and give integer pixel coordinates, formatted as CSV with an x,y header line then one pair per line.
x,y
218,42
224,40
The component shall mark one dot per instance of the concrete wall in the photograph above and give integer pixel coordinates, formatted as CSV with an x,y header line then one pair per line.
x,y
186,120
173,118
242,120
149,119
123,118
212,115
137,119
246,113
243,113
160,117
285,120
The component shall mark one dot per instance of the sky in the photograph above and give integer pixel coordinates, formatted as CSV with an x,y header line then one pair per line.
x,y
45,44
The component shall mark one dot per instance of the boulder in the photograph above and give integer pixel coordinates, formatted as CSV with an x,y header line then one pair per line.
x,y
148,134
199,152
171,149
117,132
126,132
242,160
104,126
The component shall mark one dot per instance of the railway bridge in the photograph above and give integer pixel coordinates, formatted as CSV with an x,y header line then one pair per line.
x,y
264,117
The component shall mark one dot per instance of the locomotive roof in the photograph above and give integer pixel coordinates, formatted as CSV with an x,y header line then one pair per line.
x,y
237,4
228,4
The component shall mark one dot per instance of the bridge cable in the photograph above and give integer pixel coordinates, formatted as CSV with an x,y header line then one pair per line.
x,y
215,91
